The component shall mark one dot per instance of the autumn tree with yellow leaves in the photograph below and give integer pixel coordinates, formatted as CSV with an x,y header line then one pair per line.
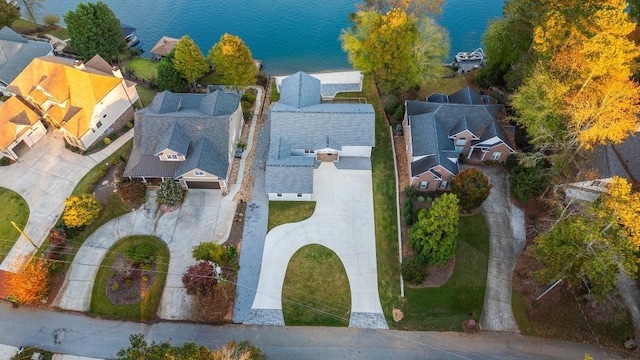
x,y
593,246
580,94
30,285
397,49
233,62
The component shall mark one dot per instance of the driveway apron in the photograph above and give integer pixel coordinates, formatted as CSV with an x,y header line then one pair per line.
x,y
343,222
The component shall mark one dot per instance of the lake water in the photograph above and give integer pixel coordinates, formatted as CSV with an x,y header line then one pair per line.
x,y
287,35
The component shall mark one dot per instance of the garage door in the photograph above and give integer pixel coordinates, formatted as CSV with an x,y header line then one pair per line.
x,y
203,185
36,134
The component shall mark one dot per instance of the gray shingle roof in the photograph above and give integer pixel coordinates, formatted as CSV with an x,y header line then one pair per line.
x,y
289,179
175,120
300,90
433,122
300,121
17,52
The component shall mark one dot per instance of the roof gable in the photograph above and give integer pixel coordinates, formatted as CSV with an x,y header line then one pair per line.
x,y
300,90
13,115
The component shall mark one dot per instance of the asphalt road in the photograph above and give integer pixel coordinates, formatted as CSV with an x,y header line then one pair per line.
x,y
80,335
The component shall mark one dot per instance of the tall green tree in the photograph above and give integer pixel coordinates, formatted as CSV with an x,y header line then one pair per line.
x,y
233,61
435,234
395,48
8,13
168,77
189,61
94,29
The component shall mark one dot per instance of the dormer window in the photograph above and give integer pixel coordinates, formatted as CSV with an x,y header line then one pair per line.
x,y
199,173
172,157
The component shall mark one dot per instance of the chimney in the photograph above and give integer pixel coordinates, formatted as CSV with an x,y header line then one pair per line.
x,y
116,72
79,65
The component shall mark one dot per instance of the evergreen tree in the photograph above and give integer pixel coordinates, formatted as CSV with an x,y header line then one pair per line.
x,y
168,77
94,29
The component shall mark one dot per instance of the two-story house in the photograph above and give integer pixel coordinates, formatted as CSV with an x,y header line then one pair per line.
x,y
188,138
442,130
83,101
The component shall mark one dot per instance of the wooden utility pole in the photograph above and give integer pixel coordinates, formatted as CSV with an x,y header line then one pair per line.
x,y
25,235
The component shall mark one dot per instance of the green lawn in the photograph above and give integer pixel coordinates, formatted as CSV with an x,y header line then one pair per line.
x,y
143,68
445,308
61,33
14,208
314,297
283,212
145,309
146,95
384,205
446,85
211,79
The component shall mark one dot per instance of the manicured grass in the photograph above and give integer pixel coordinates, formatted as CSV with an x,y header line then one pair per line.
x,y
146,95
283,212
14,208
211,79
145,309
143,68
275,95
445,308
316,289
85,185
61,32
520,313
384,205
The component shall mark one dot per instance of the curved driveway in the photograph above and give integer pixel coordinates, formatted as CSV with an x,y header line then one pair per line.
x,y
205,215
343,222
45,176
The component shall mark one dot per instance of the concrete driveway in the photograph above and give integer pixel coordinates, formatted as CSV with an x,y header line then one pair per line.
x,y
343,222
205,215
45,176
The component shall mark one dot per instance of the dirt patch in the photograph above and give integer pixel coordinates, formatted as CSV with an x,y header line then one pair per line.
x,y
127,283
237,228
438,275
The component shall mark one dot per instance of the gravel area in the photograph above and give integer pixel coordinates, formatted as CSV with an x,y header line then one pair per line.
x,y
255,231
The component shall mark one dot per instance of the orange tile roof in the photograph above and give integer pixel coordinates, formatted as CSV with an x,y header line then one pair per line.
x,y
82,88
15,118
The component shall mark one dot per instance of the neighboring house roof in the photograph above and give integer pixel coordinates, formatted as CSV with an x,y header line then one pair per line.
x,y
441,117
164,46
75,91
15,118
127,29
629,152
299,121
195,125
16,52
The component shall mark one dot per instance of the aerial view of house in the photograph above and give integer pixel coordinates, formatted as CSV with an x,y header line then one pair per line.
x,y
188,138
16,52
305,130
442,130
82,101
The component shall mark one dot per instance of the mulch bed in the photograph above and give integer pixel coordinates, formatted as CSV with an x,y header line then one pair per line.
x,y
237,228
129,289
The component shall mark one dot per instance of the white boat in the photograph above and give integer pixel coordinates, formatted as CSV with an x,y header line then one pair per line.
x,y
476,55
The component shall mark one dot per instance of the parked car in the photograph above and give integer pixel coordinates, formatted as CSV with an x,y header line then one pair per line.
x,y
238,153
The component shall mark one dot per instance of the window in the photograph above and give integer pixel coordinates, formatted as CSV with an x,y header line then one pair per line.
x,y
423,184
99,123
279,194
199,173
496,156
309,151
461,142
443,184
172,157
299,194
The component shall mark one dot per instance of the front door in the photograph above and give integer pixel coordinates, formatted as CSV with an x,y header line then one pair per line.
x,y
329,156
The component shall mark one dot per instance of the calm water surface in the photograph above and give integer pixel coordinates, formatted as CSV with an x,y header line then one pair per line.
x,y
287,35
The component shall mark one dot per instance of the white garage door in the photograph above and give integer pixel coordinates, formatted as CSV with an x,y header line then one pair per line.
x,y
36,133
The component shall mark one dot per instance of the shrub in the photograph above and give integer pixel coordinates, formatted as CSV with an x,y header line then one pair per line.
x,y
528,182
57,237
132,191
409,192
249,97
199,279
106,141
414,270
472,187
130,124
212,252
5,161
408,211
141,254
50,19
80,210
389,102
170,193
241,145
399,113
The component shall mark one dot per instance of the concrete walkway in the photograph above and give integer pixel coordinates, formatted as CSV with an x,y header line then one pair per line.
x,y
343,221
205,215
506,240
45,176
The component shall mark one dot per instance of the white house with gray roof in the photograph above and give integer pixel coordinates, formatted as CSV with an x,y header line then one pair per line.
x,y
441,130
304,131
16,52
188,138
